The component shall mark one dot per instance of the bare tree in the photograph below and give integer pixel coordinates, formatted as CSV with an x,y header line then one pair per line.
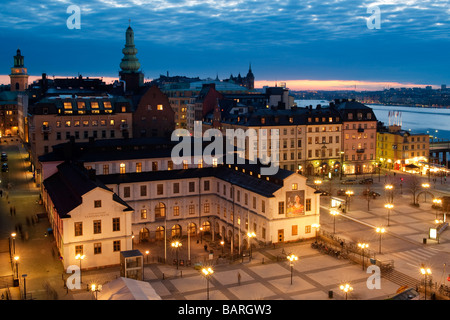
x,y
414,186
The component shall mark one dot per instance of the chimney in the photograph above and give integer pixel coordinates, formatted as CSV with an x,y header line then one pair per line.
x,y
92,174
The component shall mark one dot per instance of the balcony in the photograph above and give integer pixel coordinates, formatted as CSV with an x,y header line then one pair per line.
x,y
46,129
360,129
124,126
360,150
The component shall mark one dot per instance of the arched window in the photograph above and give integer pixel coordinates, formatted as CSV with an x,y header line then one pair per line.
x,y
192,229
176,231
159,234
17,86
160,211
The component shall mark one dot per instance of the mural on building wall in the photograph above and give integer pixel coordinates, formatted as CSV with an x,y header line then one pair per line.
x,y
295,203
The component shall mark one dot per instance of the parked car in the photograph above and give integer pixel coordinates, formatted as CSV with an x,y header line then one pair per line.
x,y
4,156
324,193
371,193
341,192
349,181
366,181
5,167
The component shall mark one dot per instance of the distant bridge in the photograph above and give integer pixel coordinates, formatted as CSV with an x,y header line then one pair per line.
x,y
440,152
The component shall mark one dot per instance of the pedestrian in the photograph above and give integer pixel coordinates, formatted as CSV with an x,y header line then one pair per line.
x,y
14,210
1,193
206,247
239,278
10,211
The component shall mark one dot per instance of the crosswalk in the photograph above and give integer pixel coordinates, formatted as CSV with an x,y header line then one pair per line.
x,y
415,256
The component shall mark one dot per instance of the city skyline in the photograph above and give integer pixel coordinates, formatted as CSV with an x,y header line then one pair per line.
x,y
322,46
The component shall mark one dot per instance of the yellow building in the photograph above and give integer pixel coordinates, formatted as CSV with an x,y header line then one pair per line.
x,y
401,150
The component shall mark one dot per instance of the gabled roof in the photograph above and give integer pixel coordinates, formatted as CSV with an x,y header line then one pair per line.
x,y
67,187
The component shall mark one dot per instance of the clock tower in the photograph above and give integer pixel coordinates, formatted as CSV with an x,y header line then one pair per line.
x,y
19,75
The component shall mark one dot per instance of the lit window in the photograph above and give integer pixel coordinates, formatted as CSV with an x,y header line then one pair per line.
x,y
94,105
67,105
107,104
122,168
159,107
294,186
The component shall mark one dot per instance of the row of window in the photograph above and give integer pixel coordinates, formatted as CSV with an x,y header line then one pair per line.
x,y
97,224
76,134
79,249
84,123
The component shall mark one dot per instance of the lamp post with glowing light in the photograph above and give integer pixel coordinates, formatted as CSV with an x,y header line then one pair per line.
x,y
201,234
80,257
176,245
250,235
334,213
16,264
389,207
317,183
389,188
425,272
146,254
380,230
96,288
207,272
348,193
222,243
425,186
13,244
363,246
346,288
316,226
437,202
292,258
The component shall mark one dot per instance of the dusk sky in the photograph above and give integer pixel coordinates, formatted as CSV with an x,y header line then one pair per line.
x,y
284,40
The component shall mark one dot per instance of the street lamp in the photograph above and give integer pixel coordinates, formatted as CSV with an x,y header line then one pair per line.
x,y
346,288
13,237
348,193
363,246
207,272
388,189
316,225
425,272
317,183
425,186
16,263
380,230
201,234
80,257
222,243
334,213
146,254
96,289
250,235
437,202
389,206
176,245
292,258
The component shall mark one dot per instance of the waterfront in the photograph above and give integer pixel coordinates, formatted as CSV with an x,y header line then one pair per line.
x,y
434,121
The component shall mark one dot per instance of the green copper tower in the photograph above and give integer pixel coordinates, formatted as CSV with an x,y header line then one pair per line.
x,y
129,66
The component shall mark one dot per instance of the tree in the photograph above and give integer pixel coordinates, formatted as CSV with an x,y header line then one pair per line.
x,y
414,186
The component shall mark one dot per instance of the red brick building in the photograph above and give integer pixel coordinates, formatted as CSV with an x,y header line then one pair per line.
x,y
153,116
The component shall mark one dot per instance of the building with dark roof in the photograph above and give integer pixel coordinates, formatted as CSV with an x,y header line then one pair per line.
x,y
86,217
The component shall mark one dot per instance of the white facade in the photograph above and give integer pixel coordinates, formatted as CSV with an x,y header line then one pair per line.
x,y
230,210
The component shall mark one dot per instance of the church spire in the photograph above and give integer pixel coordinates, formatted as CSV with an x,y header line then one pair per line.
x,y
130,63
